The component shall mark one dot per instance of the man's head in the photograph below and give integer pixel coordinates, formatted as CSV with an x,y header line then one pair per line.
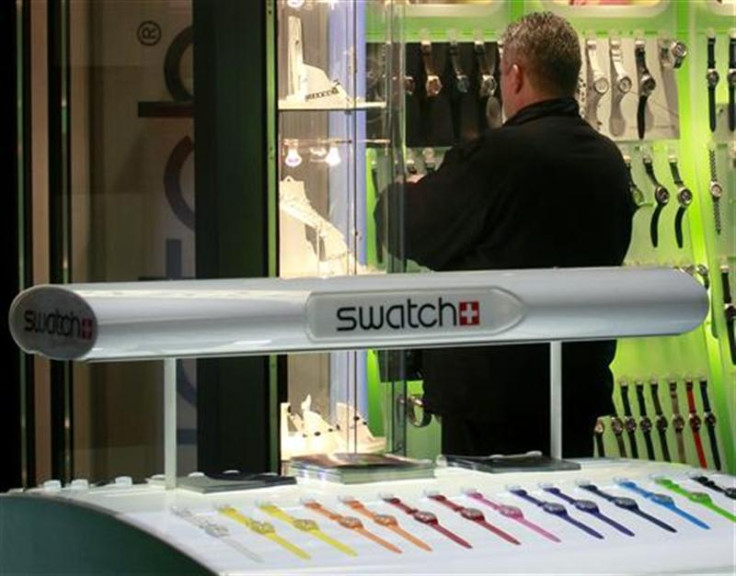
x,y
541,60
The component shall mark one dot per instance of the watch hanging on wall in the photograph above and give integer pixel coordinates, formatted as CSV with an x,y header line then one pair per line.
x,y
710,423
596,82
678,422
729,311
628,504
647,85
588,507
661,421
617,426
684,199
555,510
433,84
621,85
462,82
712,78
672,53
661,500
629,421
695,422
472,515
637,195
598,431
731,79
715,188
645,423
661,198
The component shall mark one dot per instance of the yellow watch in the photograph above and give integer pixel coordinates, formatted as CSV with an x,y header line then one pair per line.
x,y
264,529
351,523
305,525
385,520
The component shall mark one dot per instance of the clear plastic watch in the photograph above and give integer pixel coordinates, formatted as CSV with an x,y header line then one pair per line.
x,y
472,515
661,500
587,506
628,504
555,510
512,512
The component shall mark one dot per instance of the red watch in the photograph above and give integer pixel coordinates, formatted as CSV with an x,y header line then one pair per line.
x,y
424,517
472,514
695,423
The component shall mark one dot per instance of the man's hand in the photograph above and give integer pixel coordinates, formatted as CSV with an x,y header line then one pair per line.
x,y
414,178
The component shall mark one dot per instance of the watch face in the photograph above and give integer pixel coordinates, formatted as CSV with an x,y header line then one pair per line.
x,y
349,522
617,426
699,497
662,423
648,84
695,422
305,525
630,424
645,424
511,512
712,78
599,427
586,506
678,423
625,84
731,77
716,190
661,195
710,418
684,196
472,514
679,51
626,503
601,85
262,527
425,517
662,499
385,520
554,508
488,86
730,492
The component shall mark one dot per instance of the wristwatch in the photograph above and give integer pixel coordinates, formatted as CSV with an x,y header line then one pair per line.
x,y
555,509
264,529
462,82
618,430
307,526
512,512
486,62
729,492
715,189
729,310
661,500
731,79
587,506
636,194
473,515
598,432
710,423
597,83
661,197
433,84
628,504
385,520
661,421
684,199
695,422
621,85
678,422
672,53
645,423
647,85
215,531
697,497
426,518
629,421
350,523
712,79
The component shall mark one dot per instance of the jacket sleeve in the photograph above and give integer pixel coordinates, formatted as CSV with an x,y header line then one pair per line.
x,y
441,218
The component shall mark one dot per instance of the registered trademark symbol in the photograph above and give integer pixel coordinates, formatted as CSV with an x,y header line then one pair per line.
x,y
149,33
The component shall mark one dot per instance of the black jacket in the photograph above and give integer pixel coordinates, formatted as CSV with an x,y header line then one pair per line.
x,y
544,190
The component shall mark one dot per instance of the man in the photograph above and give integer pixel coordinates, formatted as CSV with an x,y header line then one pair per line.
x,y
544,190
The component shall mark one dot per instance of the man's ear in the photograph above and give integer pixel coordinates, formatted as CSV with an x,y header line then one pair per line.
x,y
517,77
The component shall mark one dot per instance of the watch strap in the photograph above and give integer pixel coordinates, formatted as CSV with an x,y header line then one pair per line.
x,y
451,535
618,428
695,497
624,386
598,432
708,483
677,420
732,81
695,423
584,527
645,424
641,115
661,422
711,86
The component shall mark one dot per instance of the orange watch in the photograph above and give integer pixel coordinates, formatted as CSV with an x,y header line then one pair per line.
x,y
351,523
385,520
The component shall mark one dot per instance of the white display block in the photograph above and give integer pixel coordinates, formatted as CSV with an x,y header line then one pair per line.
x,y
200,318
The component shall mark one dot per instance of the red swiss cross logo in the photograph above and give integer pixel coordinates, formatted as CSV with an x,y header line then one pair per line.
x,y
469,313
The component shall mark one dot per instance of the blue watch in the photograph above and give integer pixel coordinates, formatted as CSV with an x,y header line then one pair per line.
x,y
628,504
587,506
555,509
662,500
